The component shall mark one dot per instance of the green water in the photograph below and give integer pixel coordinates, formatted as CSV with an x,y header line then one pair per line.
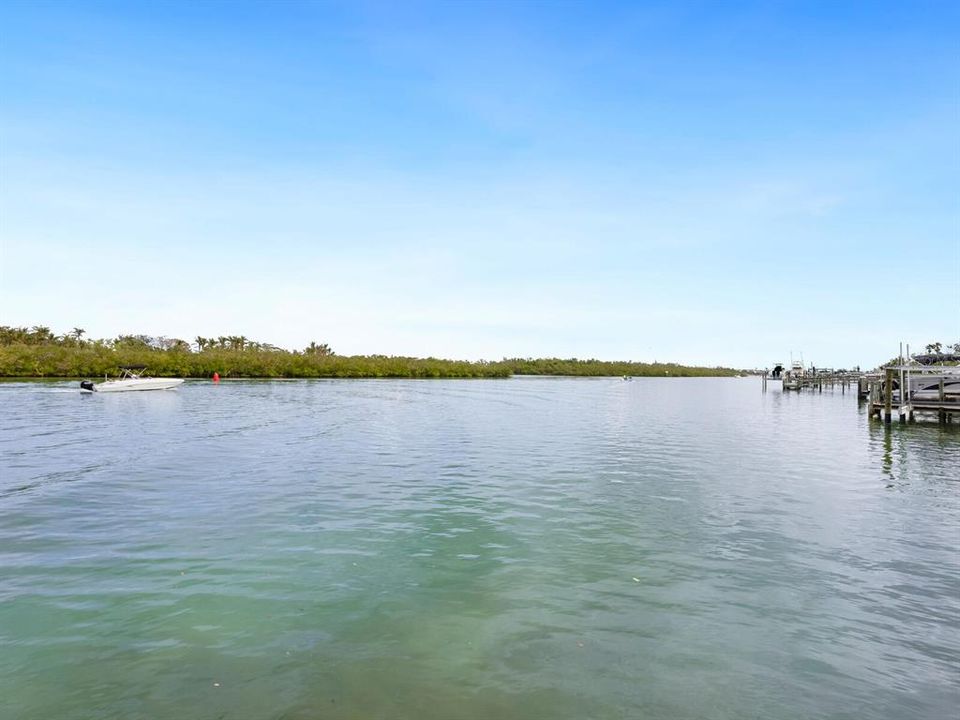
x,y
524,548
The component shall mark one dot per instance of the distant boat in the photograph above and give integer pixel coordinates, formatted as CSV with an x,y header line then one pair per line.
x,y
793,378
131,378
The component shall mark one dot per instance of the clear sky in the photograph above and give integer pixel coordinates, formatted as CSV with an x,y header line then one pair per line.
x,y
704,182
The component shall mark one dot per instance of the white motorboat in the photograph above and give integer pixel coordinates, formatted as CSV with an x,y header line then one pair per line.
x,y
793,378
132,377
929,385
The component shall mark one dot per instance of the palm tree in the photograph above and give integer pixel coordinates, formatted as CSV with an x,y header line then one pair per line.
x,y
237,342
313,349
41,334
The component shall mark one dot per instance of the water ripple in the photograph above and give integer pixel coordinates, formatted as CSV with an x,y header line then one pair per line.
x,y
525,548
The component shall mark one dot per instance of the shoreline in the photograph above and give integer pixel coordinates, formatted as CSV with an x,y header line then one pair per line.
x,y
75,378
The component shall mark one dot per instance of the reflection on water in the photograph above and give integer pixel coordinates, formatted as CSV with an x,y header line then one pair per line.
x,y
913,451
527,548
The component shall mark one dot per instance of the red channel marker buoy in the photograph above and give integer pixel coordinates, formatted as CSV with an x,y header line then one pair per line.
x,y
216,377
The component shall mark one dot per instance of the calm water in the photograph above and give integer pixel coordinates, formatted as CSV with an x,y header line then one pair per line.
x,y
527,548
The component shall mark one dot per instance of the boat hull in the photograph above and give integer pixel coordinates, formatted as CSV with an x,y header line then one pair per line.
x,y
137,384
925,388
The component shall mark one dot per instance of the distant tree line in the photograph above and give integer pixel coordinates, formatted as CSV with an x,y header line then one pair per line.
x,y
948,353
601,368
936,348
42,335
38,352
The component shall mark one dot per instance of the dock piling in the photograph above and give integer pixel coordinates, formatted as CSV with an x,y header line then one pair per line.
x,y
888,396
942,415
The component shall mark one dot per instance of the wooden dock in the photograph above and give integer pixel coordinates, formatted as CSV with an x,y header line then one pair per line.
x,y
815,380
912,390
926,386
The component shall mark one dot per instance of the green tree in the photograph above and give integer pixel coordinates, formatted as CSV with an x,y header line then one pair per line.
x,y
322,350
41,335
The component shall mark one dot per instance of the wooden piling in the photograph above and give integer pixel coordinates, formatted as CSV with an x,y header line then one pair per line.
x,y
888,397
942,415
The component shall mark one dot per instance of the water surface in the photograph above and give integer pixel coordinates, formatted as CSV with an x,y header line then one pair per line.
x,y
442,550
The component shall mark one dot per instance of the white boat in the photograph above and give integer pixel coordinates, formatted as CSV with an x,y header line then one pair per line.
x,y
131,378
927,386
793,378
934,378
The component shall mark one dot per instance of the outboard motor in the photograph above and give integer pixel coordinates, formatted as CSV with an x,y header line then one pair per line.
x,y
86,385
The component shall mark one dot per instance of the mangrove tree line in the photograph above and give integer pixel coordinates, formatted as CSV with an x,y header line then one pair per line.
x,y
39,352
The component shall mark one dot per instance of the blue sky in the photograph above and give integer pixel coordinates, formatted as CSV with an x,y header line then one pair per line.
x,y
704,182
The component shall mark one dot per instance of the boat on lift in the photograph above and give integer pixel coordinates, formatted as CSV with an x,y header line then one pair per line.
x,y
928,383
132,377
793,378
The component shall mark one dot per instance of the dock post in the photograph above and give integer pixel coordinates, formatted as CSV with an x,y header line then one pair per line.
x,y
888,397
941,411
